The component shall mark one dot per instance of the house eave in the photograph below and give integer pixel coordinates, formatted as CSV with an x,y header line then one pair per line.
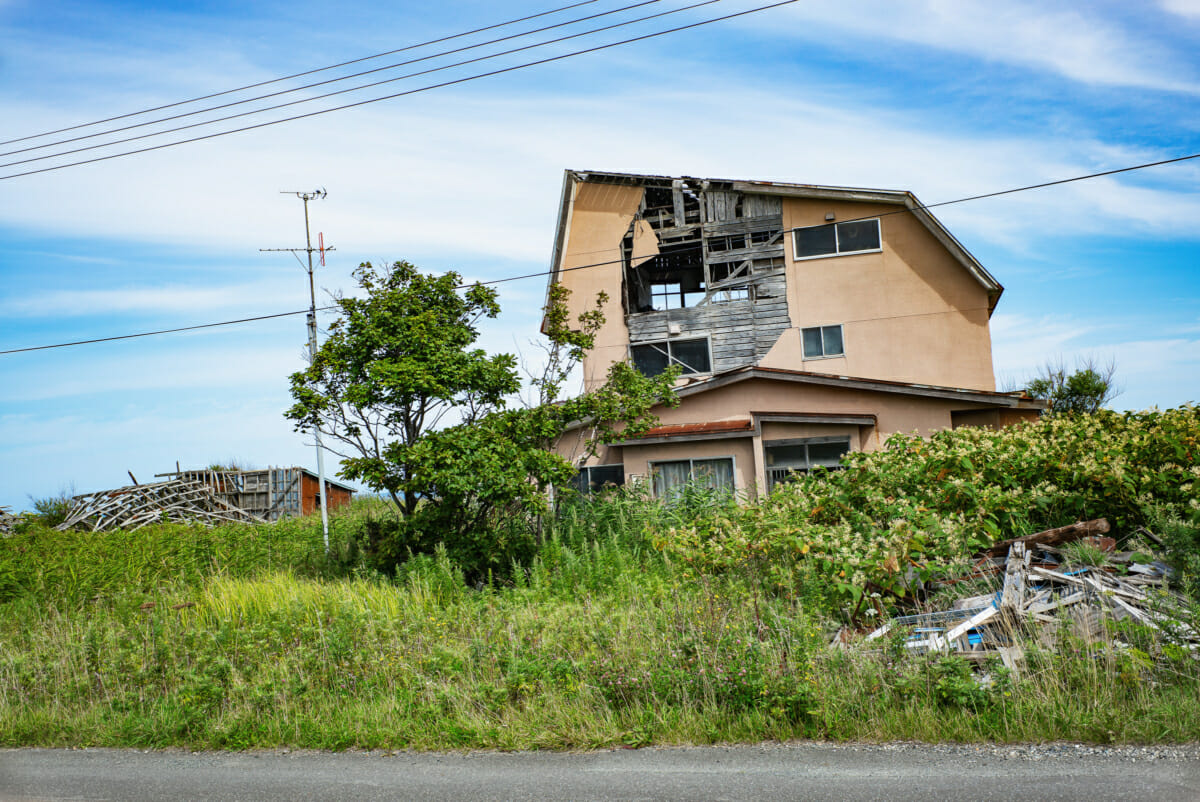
x,y
985,397
562,230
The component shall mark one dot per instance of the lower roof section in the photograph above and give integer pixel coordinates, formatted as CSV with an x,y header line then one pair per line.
x,y
1017,400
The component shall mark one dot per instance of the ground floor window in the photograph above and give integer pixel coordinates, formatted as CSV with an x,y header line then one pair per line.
x,y
670,477
787,458
597,477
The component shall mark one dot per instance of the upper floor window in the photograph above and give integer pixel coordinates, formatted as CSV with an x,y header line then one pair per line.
x,y
837,239
665,296
822,341
654,358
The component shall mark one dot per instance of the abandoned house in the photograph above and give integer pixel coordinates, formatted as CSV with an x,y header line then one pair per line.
x,y
807,321
269,493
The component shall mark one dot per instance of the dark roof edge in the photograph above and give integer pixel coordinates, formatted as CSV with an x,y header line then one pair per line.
x,y
562,229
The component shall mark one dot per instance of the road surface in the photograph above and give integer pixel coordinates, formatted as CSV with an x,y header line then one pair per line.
x,y
894,773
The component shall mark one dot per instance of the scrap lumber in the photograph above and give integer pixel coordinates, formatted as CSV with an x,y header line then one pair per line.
x,y
1012,597
7,520
1042,592
135,506
1052,537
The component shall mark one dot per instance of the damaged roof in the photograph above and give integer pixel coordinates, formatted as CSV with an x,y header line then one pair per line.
x,y
899,198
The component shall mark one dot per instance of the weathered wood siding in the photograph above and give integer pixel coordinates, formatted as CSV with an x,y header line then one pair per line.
x,y
740,332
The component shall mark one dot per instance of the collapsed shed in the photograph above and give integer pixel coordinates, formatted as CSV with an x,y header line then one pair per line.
x,y
269,493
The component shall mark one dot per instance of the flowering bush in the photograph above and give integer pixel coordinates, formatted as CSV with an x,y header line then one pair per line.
x,y
920,505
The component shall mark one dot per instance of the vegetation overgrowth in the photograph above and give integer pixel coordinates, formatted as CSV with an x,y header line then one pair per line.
x,y
629,622
920,507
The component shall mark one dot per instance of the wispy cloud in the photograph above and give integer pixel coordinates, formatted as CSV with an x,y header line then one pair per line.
x,y
455,193
1150,371
1184,8
1082,45
128,373
157,300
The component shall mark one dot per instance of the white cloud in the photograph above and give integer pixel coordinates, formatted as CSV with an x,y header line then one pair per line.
x,y
1184,8
419,179
1151,372
1021,345
236,362
284,293
1079,44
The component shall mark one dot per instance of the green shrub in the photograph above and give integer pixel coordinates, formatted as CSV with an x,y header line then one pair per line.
x,y
921,506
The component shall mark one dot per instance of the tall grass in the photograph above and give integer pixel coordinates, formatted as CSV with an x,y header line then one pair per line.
x,y
71,568
250,637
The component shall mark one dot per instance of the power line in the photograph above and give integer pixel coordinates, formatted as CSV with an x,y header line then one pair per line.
x,y
539,274
298,74
278,106
160,331
405,93
327,82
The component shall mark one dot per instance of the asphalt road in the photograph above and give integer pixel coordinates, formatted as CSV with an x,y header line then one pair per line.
x,y
765,772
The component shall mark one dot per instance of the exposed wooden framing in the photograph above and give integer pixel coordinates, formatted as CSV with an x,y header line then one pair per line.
x,y
740,330
135,506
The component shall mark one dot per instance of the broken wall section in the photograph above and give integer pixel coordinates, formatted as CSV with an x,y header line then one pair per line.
x,y
704,284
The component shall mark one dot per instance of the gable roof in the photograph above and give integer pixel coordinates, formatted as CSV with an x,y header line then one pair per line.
x,y
902,199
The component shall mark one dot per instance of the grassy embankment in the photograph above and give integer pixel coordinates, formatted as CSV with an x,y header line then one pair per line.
x,y
621,631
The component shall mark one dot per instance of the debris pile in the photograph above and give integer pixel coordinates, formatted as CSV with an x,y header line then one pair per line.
x,y
7,520
135,506
1044,591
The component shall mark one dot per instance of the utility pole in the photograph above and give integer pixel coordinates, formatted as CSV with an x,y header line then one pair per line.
x,y
316,194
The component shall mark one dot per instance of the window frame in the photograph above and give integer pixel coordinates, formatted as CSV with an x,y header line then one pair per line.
x,y
804,353
588,485
808,466
651,465
838,252
673,360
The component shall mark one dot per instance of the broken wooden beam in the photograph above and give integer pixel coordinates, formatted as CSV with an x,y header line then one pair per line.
x,y
1052,537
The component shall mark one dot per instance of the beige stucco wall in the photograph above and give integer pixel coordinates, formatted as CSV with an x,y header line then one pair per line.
x,y
739,401
600,217
910,313
894,412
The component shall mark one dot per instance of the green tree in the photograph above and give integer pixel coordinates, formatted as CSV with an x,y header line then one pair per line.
x,y
395,366
400,360
1086,390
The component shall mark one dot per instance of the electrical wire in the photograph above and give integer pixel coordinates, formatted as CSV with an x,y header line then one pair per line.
x,y
325,83
427,88
298,74
160,331
542,273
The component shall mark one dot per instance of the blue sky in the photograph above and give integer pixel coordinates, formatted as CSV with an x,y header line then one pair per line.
x,y
945,99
